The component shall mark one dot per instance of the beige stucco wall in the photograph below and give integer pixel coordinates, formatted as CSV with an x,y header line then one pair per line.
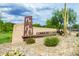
x,y
18,32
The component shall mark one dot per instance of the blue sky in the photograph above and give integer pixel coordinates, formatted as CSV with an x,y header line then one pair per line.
x,y
40,12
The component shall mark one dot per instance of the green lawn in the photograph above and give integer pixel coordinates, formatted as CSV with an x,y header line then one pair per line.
x,y
5,37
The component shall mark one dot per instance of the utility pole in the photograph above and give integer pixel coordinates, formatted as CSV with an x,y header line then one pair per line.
x,y
65,19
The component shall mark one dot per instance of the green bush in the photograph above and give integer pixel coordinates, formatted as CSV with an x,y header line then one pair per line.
x,y
77,35
30,41
75,26
37,25
53,41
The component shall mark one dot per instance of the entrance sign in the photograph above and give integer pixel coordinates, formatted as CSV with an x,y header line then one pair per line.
x,y
28,30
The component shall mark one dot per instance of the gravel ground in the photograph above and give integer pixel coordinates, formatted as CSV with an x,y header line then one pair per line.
x,y
67,47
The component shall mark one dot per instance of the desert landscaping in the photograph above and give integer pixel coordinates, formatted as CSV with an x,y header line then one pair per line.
x,y
68,45
38,35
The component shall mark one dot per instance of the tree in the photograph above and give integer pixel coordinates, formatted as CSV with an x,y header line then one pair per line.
x,y
57,20
49,24
75,26
1,25
7,26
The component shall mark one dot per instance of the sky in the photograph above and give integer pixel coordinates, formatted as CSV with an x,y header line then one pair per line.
x,y
40,12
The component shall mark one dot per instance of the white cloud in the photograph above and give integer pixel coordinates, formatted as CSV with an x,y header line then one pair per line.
x,y
5,9
40,12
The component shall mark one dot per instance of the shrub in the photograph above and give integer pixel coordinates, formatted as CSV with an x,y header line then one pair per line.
x,y
53,41
30,41
37,25
77,35
14,53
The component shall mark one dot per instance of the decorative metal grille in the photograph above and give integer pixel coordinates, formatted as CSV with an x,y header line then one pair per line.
x,y
28,29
